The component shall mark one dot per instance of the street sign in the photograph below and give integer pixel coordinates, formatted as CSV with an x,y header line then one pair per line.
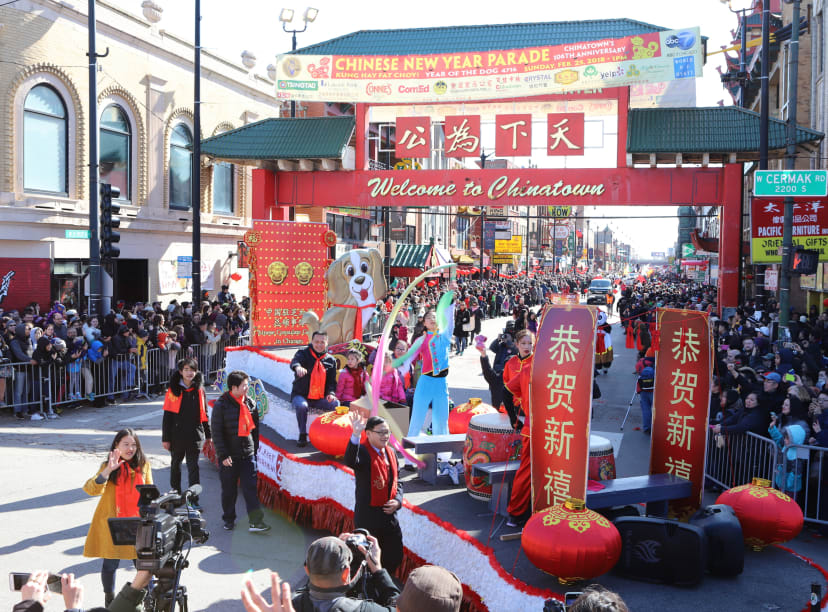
x,y
515,245
185,266
687,250
560,231
792,183
559,212
81,234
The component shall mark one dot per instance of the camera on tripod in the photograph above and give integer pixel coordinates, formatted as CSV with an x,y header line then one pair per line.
x,y
165,524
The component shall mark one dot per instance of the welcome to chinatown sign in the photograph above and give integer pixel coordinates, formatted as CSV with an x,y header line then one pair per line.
x,y
654,57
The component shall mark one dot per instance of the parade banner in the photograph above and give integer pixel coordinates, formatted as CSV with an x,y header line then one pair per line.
x,y
681,401
560,400
288,261
810,227
654,57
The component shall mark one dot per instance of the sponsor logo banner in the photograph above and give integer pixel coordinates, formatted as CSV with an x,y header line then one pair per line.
x,y
810,227
561,396
654,57
681,402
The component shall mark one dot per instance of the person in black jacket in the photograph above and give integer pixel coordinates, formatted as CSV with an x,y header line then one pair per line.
x,y
185,426
312,387
235,429
378,493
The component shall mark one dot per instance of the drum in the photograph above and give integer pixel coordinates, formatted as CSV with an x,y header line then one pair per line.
x,y
489,439
459,418
601,459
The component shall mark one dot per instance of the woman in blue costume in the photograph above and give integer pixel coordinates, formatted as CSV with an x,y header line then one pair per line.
x,y
432,386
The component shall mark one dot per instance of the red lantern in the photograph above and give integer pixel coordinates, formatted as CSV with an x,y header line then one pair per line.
x,y
331,431
432,283
459,417
825,302
571,542
767,516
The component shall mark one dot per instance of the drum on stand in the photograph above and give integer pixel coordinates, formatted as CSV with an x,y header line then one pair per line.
x,y
601,459
489,439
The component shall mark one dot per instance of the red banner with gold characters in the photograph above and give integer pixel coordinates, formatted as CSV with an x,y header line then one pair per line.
x,y
681,401
561,396
288,261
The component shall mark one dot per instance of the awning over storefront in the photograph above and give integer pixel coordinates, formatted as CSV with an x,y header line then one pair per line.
x,y
411,260
441,256
465,260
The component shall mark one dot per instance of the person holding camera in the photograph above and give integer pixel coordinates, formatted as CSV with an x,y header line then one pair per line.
x,y
185,425
116,482
235,429
328,565
378,493
36,592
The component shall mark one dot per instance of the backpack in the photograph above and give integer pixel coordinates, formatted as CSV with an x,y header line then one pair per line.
x,y
646,380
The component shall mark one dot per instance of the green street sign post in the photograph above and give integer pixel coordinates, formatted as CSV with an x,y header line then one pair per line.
x,y
79,234
790,183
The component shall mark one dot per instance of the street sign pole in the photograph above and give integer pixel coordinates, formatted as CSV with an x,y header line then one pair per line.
x,y
790,161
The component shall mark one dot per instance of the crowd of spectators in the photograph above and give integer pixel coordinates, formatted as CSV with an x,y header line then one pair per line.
x,y
49,359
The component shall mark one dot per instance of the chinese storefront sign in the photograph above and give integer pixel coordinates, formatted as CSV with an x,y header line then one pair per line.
x,y
288,261
810,227
681,402
561,396
652,57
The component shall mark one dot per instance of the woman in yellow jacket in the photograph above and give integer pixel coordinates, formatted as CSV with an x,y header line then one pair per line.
x,y
115,482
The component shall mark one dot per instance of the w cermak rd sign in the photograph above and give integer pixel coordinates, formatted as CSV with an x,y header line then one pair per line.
x,y
790,183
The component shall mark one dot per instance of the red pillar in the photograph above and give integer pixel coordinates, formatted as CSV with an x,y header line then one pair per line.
x,y
730,236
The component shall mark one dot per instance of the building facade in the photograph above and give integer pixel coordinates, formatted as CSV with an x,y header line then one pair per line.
x,y
145,116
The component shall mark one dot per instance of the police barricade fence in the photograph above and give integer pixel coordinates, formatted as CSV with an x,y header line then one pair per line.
x,y
735,459
23,389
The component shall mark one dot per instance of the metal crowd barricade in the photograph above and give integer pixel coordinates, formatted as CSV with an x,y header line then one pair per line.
x,y
115,375
24,390
213,358
808,474
160,365
734,459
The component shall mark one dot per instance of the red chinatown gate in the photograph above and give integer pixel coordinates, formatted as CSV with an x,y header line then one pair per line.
x,y
274,190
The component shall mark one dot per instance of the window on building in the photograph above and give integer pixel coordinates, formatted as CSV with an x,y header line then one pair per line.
x,y
116,150
330,220
45,138
181,167
223,188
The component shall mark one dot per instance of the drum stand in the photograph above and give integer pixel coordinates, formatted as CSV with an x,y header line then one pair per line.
x,y
626,416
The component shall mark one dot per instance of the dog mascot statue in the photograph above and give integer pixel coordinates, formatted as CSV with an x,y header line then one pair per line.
x,y
355,285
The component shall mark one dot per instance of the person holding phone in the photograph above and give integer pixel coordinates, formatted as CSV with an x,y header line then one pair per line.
x,y
125,468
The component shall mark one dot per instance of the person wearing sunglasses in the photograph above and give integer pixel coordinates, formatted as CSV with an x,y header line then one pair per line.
x,y
378,491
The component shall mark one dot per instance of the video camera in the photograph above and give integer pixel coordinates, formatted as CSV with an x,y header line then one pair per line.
x,y
165,524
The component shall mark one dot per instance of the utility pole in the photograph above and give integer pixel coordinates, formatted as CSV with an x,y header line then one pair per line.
x,y
764,97
94,306
790,162
195,181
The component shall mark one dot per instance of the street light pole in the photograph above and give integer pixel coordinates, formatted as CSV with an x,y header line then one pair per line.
x,y
790,162
286,16
195,179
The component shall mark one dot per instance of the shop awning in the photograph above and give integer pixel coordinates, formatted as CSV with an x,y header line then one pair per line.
x,y
410,259
465,260
441,256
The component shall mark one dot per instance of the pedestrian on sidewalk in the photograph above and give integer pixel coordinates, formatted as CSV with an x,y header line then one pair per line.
x,y
185,426
235,429
116,482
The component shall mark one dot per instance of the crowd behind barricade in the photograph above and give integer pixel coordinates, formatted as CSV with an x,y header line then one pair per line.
x,y
769,400
50,360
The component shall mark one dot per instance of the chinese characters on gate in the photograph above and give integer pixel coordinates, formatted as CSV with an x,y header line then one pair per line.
x,y
513,135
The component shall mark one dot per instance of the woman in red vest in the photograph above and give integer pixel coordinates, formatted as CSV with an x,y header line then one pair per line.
x,y
516,375
185,426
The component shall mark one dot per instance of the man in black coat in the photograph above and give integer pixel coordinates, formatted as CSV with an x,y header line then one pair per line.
x,y
235,429
309,390
185,427
378,493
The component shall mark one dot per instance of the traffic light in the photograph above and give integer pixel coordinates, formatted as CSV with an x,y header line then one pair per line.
x,y
109,221
804,261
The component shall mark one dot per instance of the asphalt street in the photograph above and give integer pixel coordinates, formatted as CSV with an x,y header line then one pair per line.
x,y
46,514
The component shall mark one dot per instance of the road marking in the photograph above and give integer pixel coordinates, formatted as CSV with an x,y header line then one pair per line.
x,y
143,417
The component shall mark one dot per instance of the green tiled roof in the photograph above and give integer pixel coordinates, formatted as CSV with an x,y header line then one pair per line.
x,y
455,39
411,256
719,129
306,138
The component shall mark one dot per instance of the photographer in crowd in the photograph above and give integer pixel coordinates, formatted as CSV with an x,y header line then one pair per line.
x,y
35,594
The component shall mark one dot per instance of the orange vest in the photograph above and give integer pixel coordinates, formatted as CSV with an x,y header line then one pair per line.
x,y
172,403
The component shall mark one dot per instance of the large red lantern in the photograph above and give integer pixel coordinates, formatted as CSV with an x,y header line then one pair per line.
x,y
571,542
767,516
330,432
459,417
825,302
